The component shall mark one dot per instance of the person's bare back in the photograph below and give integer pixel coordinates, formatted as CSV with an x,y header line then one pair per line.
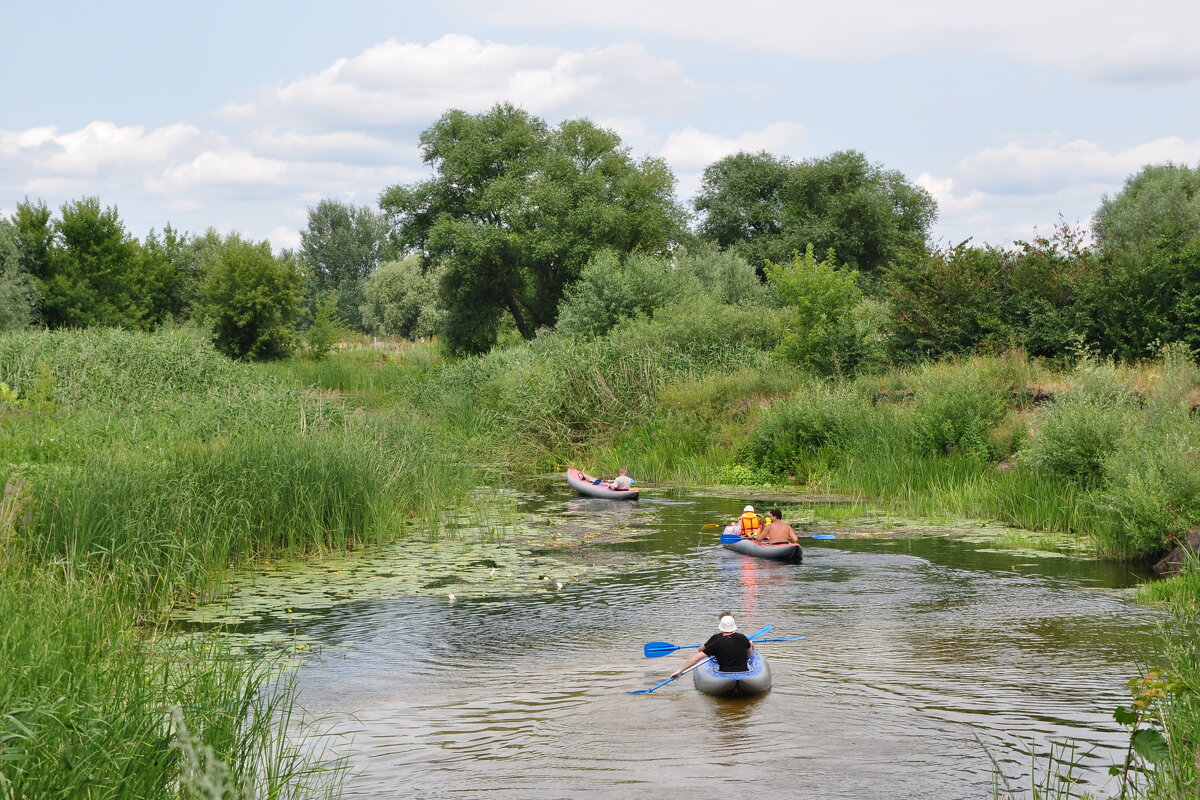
x,y
777,531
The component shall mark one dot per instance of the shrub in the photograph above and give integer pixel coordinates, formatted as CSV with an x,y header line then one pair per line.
x,y
792,432
1082,429
955,413
251,299
1152,489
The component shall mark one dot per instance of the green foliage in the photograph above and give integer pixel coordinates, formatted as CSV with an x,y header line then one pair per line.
x,y
18,292
792,434
94,276
613,288
341,247
987,298
766,208
518,208
401,299
956,413
742,208
1082,429
1159,206
325,328
819,326
228,501
251,299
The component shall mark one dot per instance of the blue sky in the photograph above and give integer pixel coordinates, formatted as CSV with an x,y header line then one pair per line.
x,y
241,116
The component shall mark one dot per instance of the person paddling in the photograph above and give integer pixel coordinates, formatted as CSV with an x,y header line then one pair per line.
x,y
777,531
622,483
730,649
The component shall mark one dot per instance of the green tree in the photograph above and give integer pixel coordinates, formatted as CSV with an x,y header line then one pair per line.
x,y
817,324
251,299
741,206
94,275
613,288
766,208
1159,206
516,210
401,299
342,245
18,292
325,328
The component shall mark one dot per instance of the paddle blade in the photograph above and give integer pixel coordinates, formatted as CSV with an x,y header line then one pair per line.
x,y
658,649
822,536
709,526
730,538
761,632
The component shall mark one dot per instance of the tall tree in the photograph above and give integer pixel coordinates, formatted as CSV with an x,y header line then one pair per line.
x,y
18,292
1159,206
741,206
768,208
342,245
94,278
251,299
517,208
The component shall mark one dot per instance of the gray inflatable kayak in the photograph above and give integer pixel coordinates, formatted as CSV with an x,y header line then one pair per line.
x,y
583,484
776,552
756,680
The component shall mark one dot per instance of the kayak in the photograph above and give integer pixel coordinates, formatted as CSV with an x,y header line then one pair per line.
x,y
775,552
583,484
755,680
750,547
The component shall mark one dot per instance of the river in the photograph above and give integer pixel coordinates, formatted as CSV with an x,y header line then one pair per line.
x,y
924,659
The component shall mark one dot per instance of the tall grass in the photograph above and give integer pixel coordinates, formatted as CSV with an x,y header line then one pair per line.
x,y
85,702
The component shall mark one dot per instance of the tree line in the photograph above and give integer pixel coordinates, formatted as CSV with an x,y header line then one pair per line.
x,y
526,227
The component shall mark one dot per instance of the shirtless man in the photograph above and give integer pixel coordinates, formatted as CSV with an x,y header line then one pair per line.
x,y
777,531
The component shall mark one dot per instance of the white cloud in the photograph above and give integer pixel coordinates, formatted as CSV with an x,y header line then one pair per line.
x,y
1151,42
691,149
397,84
1004,193
1040,167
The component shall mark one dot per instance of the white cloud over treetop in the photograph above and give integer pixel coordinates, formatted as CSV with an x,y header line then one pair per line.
x,y
397,84
1025,168
1151,42
692,149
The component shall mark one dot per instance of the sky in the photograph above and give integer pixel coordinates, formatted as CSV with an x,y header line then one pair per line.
x,y
241,116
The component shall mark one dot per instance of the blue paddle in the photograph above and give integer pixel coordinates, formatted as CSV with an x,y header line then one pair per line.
x,y
730,538
660,649
751,637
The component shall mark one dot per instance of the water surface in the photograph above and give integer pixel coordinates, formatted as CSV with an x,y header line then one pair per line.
x,y
917,650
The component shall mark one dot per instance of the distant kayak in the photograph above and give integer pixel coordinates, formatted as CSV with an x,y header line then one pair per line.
x,y
585,484
775,552
755,680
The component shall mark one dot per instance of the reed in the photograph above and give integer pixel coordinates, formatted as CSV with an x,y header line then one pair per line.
x,y
86,701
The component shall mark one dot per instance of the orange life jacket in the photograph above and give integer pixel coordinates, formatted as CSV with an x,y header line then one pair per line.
x,y
751,524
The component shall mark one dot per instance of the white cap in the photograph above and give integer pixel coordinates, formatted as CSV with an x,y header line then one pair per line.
x,y
748,508
727,625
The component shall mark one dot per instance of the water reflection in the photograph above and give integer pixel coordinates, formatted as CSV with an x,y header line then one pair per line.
x,y
912,649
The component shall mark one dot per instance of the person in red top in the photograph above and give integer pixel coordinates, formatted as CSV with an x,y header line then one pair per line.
x,y
730,649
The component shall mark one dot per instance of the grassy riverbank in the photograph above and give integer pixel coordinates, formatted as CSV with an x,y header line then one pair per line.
x,y
140,468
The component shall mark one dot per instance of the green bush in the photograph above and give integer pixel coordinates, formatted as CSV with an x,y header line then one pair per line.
x,y
1152,491
955,413
793,432
251,299
1082,429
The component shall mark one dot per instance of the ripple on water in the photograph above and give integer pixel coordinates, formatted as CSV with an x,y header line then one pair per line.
x,y
912,650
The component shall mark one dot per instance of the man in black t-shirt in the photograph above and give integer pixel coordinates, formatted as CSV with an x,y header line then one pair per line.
x,y
730,648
